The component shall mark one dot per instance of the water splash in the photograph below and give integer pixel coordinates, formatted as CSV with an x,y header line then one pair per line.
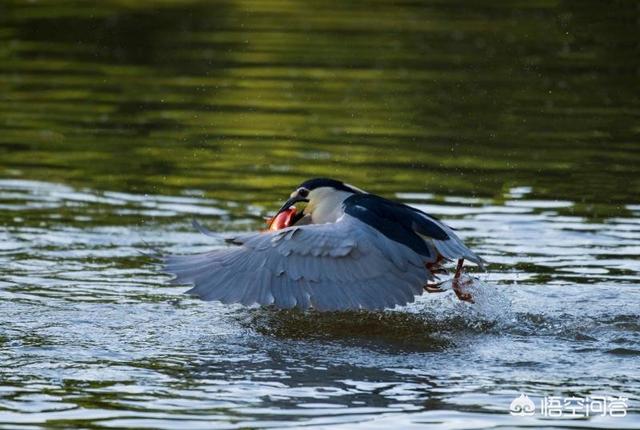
x,y
491,309
491,303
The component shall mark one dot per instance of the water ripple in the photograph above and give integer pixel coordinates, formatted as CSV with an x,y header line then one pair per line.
x,y
92,333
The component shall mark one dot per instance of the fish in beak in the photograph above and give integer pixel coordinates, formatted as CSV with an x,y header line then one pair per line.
x,y
285,218
288,215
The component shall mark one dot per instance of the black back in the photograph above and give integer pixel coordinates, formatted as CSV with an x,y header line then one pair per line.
x,y
396,221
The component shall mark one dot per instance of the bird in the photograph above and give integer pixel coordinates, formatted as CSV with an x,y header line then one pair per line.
x,y
347,249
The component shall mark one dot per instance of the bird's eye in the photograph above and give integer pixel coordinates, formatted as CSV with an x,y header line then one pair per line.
x,y
303,192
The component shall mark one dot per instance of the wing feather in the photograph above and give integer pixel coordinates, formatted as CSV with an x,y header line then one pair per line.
x,y
345,265
401,223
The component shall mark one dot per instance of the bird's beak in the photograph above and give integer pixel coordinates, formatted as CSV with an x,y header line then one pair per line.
x,y
295,198
292,201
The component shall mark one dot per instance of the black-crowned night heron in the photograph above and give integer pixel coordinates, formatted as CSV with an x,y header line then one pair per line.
x,y
347,249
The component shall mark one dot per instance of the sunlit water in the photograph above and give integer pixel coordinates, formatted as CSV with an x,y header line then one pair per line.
x,y
122,120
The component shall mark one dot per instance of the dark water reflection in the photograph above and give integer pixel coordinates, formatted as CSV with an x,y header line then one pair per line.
x,y
241,99
120,121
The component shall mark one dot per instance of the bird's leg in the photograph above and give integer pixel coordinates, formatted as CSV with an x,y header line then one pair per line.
x,y
435,269
457,285
456,277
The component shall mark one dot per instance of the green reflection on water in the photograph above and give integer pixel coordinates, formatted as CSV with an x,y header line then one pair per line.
x,y
243,99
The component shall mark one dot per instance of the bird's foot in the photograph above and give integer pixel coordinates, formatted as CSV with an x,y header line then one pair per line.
x,y
434,288
459,285
436,269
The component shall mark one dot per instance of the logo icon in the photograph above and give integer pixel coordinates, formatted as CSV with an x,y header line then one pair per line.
x,y
522,406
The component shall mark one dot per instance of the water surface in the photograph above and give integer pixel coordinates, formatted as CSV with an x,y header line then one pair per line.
x,y
122,121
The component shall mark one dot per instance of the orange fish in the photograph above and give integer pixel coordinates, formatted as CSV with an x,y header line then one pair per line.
x,y
282,220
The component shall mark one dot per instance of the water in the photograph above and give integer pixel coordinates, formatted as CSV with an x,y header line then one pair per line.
x,y
121,122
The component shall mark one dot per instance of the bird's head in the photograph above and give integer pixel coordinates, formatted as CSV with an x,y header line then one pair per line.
x,y
320,194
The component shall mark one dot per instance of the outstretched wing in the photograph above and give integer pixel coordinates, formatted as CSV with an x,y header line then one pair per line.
x,y
421,232
345,265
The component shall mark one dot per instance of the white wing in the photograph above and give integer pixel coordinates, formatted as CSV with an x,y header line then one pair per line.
x,y
344,265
